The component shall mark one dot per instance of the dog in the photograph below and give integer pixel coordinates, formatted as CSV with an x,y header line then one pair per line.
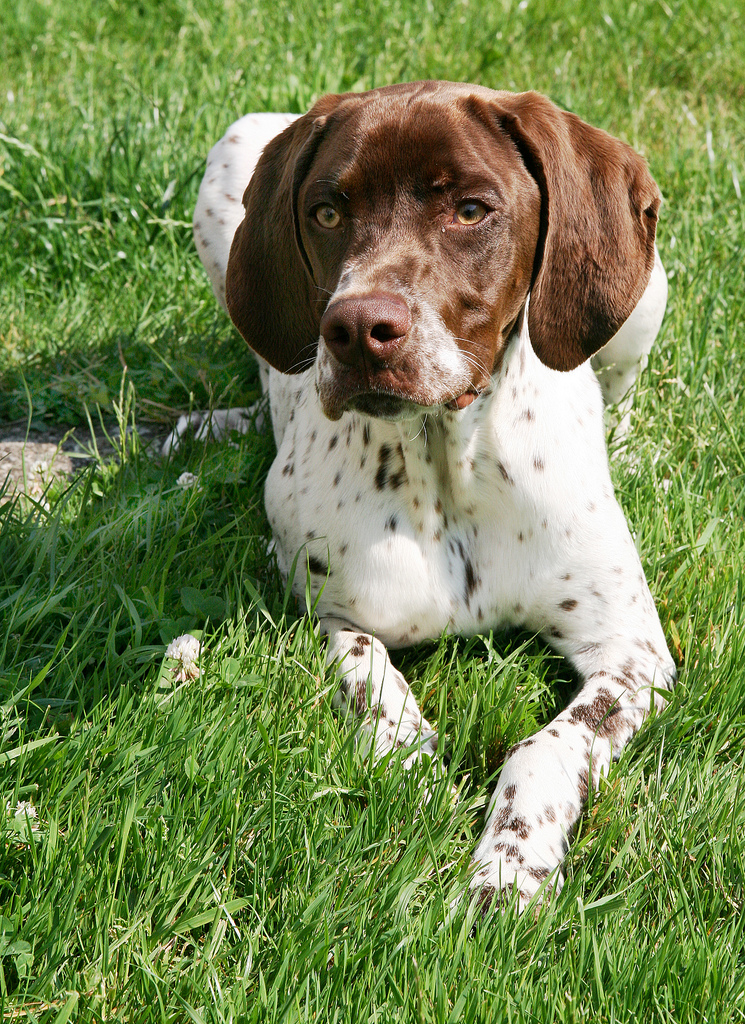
x,y
425,272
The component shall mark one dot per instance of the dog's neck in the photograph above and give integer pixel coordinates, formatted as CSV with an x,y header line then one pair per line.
x,y
517,423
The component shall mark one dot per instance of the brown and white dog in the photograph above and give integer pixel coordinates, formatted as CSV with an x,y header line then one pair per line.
x,y
427,269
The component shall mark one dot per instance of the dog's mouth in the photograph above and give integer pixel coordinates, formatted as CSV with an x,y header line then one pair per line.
x,y
386,405
463,401
383,406
401,390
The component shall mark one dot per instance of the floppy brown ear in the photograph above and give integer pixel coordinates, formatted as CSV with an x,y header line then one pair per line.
x,y
598,220
270,294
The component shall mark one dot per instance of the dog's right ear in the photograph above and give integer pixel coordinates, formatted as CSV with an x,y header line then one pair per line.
x,y
270,293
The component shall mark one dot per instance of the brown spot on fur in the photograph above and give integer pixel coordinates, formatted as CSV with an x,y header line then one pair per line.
x,y
361,696
488,896
381,477
501,819
360,643
519,826
519,746
583,784
472,580
485,897
600,716
387,475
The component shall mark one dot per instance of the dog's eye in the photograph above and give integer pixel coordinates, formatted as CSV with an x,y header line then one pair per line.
x,y
327,216
470,212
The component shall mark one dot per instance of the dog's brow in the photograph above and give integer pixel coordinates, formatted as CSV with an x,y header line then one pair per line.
x,y
334,183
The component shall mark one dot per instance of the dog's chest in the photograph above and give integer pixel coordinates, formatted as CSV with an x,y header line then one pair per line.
x,y
411,529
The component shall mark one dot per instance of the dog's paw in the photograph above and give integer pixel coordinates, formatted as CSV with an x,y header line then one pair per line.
x,y
377,737
509,880
212,426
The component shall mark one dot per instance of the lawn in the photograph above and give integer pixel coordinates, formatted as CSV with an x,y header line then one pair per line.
x,y
214,849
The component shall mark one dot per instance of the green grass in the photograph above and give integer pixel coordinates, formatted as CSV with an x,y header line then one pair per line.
x,y
215,850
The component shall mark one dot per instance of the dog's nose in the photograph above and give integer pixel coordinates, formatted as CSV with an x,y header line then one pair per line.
x,y
366,328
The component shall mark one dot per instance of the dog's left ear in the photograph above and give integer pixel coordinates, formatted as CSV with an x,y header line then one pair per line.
x,y
599,208
269,289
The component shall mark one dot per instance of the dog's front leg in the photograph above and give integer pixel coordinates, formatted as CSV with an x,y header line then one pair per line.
x,y
375,695
544,783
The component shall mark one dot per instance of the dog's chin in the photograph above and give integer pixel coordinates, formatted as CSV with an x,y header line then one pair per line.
x,y
383,405
378,404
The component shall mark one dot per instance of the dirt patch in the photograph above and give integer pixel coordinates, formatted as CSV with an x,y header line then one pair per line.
x,y
32,458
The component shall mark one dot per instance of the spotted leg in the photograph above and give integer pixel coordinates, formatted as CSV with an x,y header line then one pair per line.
x,y
375,695
210,426
544,783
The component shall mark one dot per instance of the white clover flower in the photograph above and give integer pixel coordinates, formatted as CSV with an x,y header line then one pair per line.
x,y
36,492
187,480
184,650
24,820
23,808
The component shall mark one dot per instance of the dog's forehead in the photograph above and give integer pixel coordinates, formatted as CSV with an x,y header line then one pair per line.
x,y
422,139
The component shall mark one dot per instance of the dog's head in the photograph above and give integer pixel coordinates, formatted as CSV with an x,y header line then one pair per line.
x,y
393,238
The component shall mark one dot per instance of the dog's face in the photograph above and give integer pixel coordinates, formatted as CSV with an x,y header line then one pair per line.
x,y
393,237
421,234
